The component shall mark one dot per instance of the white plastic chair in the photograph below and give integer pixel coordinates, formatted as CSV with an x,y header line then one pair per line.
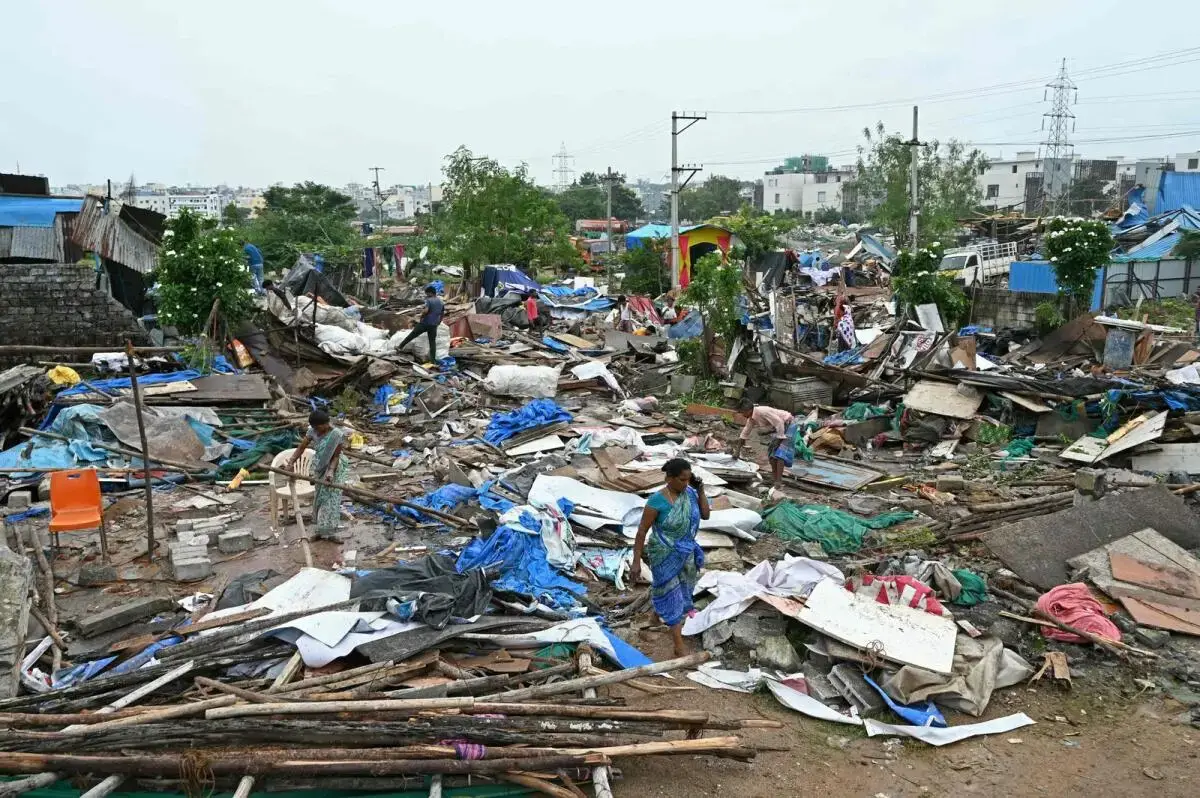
x,y
281,490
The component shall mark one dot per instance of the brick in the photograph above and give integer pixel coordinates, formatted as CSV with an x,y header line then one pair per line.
x,y
192,570
19,500
951,483
130,612
847,679
235,541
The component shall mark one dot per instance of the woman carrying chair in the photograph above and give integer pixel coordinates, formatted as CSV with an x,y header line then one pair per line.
x,y
329,465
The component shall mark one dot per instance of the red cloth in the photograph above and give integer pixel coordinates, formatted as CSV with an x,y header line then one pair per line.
x,y
899,590
531,309
1075,606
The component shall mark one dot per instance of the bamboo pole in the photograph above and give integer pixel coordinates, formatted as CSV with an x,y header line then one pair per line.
x,y
28,349
330,707
141,423
34,782
616,677
106,787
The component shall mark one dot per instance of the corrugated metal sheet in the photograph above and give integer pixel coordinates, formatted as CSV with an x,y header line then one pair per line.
x,y
1178,189
33,243
112,238
1037,277
22,211
1156,250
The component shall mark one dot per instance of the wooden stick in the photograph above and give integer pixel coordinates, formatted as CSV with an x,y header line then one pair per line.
x,y
616,677
29,349
146,689
330,707
1099,640
229,689
288,673
50,628
244,787
141,423
169,713
704,745
537,785
106,787
600,782
377,497
35,782
996,507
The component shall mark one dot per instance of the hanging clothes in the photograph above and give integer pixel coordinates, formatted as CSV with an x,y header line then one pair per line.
x,y
368,262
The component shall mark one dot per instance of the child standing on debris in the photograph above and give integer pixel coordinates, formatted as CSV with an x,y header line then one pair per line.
x,y
531,311
782,451
329,465
674,515
429,322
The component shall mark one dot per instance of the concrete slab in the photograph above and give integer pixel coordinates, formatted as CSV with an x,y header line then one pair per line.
x,y
136,610
1037,548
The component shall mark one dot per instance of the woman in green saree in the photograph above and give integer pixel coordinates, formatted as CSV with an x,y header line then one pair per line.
x,y
328,464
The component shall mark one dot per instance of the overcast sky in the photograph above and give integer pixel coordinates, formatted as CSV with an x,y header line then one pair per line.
x,y
254,92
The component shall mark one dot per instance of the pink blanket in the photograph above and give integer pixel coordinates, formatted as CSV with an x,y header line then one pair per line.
x,y
1075,606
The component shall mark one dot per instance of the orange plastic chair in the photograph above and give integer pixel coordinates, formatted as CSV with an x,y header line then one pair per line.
x,y
75,504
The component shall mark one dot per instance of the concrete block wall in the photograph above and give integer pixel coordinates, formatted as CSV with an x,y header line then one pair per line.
x,y
58,304
999,308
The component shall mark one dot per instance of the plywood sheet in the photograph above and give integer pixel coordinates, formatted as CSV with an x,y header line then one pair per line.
x,y
1146,546
1156,576
908,636
944,399
833,473
1162,616
1142,429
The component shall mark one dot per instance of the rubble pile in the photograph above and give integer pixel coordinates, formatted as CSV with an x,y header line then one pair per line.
x,y
922,518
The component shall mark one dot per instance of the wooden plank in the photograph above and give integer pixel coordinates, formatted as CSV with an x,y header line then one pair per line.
x,y
1026,402
229,388
1156,576
574,340
1161,616
1142,429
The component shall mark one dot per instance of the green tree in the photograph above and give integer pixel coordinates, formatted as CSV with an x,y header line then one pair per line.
x,y
716,196
1188,246
916,280
587,199
233,215
646,269
715,288
312,199
199,263
1077,248
757,233
491,214
946,179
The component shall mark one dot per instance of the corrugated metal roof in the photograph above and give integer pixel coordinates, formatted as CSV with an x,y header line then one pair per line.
x,y
1156,250
1177,190
110,236
1032,276
33,243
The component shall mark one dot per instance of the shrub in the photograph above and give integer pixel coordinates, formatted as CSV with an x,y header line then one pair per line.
x,y
198,264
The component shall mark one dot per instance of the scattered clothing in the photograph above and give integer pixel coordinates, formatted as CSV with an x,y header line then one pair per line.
x,y
904,591
1075,605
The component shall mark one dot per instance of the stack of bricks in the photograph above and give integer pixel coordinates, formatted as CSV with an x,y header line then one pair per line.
x,y
190,561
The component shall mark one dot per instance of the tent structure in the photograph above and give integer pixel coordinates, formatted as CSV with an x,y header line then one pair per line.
x,y
694,243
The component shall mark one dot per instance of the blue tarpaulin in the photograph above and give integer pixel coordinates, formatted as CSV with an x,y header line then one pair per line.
x,y
443,499
143,379
523,565
21,211
691,326
538,413
1178,190
496,279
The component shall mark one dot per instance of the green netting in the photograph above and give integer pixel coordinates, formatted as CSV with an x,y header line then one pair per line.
x,y
974,588
837,531
273,443
1018,448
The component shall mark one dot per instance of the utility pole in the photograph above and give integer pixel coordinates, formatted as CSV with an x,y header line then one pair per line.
x,y
379,212
676,168
1056,183
609,180
914,206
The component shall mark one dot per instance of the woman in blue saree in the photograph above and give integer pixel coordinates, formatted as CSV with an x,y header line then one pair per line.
x,y
667,535
328,464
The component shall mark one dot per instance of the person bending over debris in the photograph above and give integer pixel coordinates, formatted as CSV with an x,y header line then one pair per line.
x,y
674,515
782,451
254,262
429,322
328,464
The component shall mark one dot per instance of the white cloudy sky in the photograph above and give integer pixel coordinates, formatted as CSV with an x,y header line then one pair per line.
x,y
258,91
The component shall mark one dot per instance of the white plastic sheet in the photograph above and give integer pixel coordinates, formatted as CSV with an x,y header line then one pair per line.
x,y
952,734
790,577
534,382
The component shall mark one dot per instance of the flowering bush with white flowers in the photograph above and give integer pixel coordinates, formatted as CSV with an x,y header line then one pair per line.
x,y
197,263
1077,248
917,281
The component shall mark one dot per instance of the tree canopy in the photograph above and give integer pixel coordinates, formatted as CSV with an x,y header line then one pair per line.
x,y
757,233
233,215
312,199
491,214
587,199
946,178
716,196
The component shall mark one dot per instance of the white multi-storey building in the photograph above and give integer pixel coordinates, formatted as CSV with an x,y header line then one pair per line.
x,y
804,192
205,203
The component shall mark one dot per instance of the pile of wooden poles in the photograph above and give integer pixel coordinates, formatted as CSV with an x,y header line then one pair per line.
x,y
545,730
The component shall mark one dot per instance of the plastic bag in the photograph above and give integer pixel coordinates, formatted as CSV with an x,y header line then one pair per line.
x,y
419,346
536,382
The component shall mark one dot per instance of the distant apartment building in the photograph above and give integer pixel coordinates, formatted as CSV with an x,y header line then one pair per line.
x,y
205,203
1187,162
804,192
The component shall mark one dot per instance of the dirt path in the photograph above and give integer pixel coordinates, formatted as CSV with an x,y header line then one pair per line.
x,y
1090,740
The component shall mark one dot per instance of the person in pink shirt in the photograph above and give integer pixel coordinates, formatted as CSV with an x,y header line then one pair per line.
x,y
782,425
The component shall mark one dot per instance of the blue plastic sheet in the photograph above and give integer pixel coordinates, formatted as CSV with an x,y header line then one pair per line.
x,y
691,326
524,568
538,413
924,713
557,346
66,677
849,357
143,379
443,499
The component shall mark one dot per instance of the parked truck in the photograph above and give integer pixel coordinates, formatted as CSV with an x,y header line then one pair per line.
x,y
983,263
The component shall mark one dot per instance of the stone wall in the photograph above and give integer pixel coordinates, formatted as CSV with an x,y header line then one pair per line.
x,y
58,304
999,308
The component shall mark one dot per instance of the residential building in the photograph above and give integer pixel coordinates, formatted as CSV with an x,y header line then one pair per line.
x,y
804,192
1002,182
206,203
1187,162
